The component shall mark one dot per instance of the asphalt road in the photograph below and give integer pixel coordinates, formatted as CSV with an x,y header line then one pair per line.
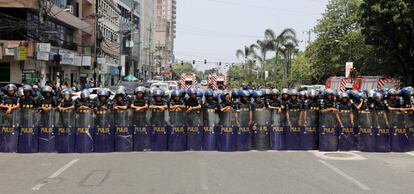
x,y
207,172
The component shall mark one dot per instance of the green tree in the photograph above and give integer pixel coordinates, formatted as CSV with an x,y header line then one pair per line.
x,y
284,46
178,69
389,27
339,40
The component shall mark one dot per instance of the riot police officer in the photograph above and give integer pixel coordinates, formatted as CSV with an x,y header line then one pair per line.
x,y
27,101
285,96
10,100
120,101
47,101
84,102
293,107
139,102
192,103
66,103
158,105
261,120
176,102
328,140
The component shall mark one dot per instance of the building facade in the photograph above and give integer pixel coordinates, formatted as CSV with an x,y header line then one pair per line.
x,y
146,67
108,42
129,35
45,40
165,33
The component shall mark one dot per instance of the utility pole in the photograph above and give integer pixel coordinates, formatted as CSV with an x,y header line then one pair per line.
x,y
131,43
95,62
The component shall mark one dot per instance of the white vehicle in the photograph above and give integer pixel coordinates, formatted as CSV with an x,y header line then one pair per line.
x,y
93,92
203,82
162,86
172,85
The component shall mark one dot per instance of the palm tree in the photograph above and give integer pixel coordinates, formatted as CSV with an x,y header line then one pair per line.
x,y
286,37
263,46
247,53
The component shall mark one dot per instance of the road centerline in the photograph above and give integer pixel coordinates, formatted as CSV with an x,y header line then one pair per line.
x,y
55,174
346,176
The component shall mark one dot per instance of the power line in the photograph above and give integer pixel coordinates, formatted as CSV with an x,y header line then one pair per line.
x,y
262,7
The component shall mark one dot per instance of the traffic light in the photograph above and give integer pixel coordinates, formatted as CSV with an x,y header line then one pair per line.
x,y
220,63
193,62
182,62
205,61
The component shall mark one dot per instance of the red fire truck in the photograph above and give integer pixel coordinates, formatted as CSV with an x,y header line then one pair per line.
x,y
216,80
362,83
188,80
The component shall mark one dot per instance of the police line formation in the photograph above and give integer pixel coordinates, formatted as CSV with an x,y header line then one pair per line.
x,y
237,120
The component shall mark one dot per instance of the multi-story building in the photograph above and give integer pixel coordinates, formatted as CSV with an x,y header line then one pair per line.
x,y
108,42
129,35
46,40
147,32
165,31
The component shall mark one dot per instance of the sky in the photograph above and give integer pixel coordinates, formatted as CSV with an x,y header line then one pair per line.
x,y
215,29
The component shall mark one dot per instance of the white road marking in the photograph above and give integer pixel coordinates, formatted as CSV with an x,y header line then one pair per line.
x,y
346,176
55,174
326,156
203,175
410,153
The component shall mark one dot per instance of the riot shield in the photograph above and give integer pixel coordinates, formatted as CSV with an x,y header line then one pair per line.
x,y
382,132
227,132
177,138
104,131
84,131
194,130
347,139
142,130
48,121
409,125
366,133
293,130
159,130
9,133
308,131
244,134
399,135
261,135
29,131
65,134
123,131
328,139
277,133
210,122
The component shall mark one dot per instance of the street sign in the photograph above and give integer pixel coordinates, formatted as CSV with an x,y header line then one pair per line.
x,y
43,47
44,56
20,53
348,67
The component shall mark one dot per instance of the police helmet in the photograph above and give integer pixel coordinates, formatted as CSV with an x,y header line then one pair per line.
x,y
120,92
158,92
11,87
191,91
275,92
285,91
27,88
244,93
66,92
216,96
103,92
85,93
199,93
223,95
208,93
377,96
47,89
303,94
343,95
257,93
407,92
293,92
235,94
175,93
139,89
392,92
